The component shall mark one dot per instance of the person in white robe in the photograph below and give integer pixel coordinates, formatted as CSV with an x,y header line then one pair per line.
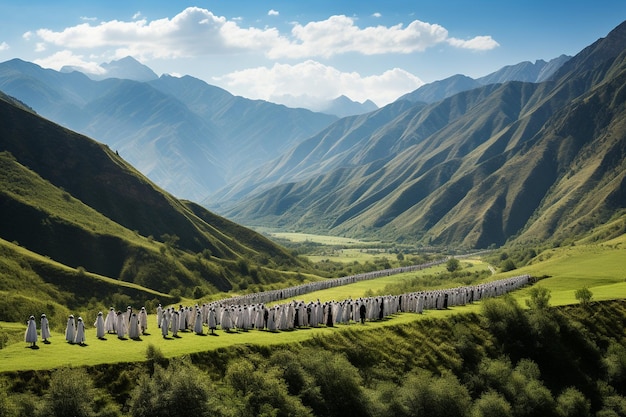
x,y
164,322
175,323
271,319
133,327
120,325
143,320
110,321
70,329
99,325
159,314
226,320
45,329
197,325
80,332
30,336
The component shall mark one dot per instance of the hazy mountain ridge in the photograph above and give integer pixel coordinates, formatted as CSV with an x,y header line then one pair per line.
x,y
127,68
189,140
494,172
527,71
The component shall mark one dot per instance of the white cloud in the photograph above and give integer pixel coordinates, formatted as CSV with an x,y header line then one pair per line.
x,y
339,34
4,46
376,14
67,58
479,43
137,15
317,82
192,32
273,12
198,32
88,19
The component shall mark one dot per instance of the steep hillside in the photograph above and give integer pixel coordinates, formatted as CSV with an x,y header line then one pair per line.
x,y
75,202
189,137
476,169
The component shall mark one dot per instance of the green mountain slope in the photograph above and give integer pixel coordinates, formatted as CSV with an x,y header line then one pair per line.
x,y
74,202
517,160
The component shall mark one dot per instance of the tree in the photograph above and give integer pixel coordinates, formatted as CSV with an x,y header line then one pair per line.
x,y
340,385
71,393
572,403
583,295
491,404
179,390
539,298
424,394
453,265
263,391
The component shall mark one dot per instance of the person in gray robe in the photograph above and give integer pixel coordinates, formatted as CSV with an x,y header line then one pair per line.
x,y
110,321
99,325
79,338
70,329
45,329
30,336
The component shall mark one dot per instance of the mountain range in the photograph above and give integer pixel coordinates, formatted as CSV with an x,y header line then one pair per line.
x,y
513,161
81,223
191,138
188,136
532,152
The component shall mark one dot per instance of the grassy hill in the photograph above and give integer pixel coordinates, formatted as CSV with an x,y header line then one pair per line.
x,y
534,360
83,223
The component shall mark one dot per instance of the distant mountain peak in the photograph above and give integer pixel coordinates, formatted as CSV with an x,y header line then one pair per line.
x,y
127,68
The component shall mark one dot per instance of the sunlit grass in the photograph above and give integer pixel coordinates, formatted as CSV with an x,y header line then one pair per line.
x,y
350,255
322,239
599,268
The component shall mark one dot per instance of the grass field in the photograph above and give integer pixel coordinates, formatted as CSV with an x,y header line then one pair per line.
x,y
322,239
601,268
350,255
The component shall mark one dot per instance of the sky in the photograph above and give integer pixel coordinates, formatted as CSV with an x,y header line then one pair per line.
x,y
301,52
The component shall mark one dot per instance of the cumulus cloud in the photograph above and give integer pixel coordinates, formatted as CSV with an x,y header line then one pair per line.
x,y
198,32
479,43
4,46
193,32
314,81
67,58
376,14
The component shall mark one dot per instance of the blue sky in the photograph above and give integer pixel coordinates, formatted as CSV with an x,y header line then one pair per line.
x,y
300,52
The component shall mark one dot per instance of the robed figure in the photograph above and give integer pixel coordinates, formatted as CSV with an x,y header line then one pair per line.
x,y
80,332
45,328
31,332
70,329
99,324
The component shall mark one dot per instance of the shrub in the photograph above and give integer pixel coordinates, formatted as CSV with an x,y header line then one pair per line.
x,y
179,390
583,295
71,393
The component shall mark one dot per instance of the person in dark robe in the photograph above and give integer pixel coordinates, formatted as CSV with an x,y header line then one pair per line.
x,y
362,312
329,317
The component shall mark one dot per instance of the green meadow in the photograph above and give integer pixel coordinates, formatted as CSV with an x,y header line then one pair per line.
x,y
601,268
